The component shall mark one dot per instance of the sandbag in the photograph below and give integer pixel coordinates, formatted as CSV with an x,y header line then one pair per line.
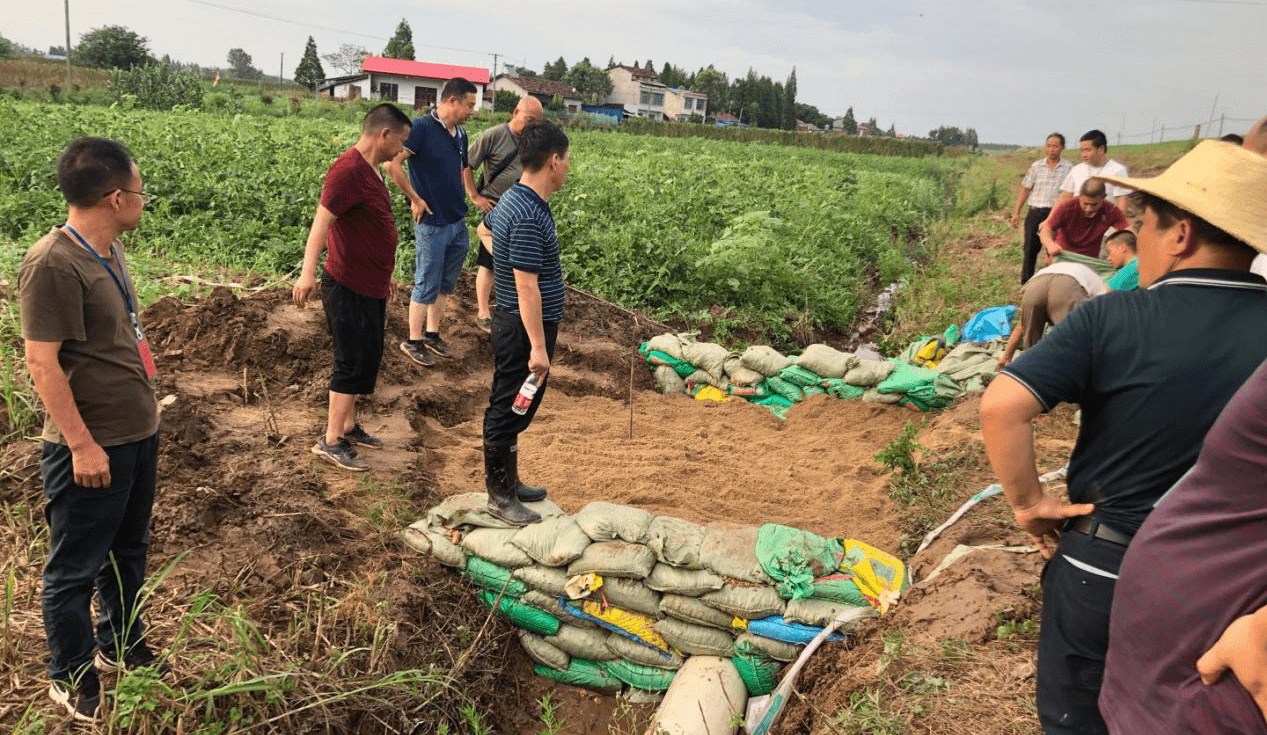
x,y
492,577
840,389
821,612
749,603
415,538
799,376
469,509
675,541
764,359
634,626
703,377
553,542
696,640
874,396
668,382
826,361
868,373
694,611
583,642
539,650
881,577
524,616
621,647
839,588
788,632
793,557
493,545
547,579
614,559
756,645
706,356
668,343
445,551
637,675
729,549
688,582
744,378
603,521
580,673
785,390
551,604
632,595
760,674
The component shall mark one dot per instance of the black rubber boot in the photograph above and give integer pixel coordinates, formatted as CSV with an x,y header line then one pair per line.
x,y
525,493
499,482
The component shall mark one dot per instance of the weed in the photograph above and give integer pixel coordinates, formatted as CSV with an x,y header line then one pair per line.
x,y
550,717
868,714
900,453
1011,626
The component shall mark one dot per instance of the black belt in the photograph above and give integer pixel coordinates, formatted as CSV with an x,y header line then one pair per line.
x,y
1089,526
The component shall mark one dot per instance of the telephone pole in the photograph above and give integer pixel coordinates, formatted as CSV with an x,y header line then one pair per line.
x,y
280,65
68,44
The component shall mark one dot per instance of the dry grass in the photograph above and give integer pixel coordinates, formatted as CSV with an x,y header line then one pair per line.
x,y
31,73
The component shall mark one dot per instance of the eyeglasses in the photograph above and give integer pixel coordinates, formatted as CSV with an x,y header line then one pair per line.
x,y
146,197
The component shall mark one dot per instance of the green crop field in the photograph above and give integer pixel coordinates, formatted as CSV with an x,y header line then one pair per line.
x,y
753,234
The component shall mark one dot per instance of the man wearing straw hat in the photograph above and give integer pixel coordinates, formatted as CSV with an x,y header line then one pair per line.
x,y
1151,370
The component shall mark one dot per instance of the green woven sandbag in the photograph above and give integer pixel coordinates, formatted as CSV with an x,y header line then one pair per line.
x,y
783,389
759,674
799,376
492,577
778,405
637,675
581,673
840,389
532,619
839,588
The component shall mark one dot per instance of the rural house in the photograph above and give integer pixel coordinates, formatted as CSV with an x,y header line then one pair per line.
x,y
543,89
642,94
413,83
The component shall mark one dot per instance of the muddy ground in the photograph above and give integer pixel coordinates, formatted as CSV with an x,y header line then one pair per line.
x,y
249,513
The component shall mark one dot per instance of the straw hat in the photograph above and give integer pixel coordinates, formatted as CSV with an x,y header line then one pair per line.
x,y
1219,182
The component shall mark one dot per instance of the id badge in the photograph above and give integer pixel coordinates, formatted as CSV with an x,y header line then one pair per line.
x,y
147,358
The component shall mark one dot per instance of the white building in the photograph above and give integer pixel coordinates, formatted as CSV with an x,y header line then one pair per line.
x,y
413,83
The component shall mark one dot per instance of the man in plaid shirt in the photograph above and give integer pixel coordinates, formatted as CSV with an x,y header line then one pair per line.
x,y
1041,186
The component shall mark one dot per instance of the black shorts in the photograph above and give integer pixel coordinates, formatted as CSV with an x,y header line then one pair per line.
x,y
356,323
483,258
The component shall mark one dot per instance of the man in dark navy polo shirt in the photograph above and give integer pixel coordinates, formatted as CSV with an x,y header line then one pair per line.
x,y
436,151
1151,370
530,295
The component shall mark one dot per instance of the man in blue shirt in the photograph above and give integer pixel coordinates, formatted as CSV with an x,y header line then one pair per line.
x,y
1121,249
530,294
436,151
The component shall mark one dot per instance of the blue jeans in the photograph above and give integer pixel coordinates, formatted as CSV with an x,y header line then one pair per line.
x,y
98,539
441,252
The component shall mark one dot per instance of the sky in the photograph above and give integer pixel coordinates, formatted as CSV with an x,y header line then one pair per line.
x,y
1015,70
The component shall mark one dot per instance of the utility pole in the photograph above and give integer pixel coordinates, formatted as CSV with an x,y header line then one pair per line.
x,y
68,44
1162,139
280,65
1213,107
1221,119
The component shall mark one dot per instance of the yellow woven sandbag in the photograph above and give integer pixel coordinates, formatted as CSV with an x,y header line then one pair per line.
x,y
630,622
709,393
880,577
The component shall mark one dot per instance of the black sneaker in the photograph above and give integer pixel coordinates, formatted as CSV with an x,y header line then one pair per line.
x,y
363,438
340,454
137,657
83,704
437,345
416,352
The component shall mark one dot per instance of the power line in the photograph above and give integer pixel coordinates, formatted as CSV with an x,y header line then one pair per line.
x,y
1224,2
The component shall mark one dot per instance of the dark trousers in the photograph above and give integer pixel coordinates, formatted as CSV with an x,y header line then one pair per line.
x,y
511,349
98,539
1073,637
1033,245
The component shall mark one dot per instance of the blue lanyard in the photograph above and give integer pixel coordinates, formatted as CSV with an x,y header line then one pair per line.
x,y
123,285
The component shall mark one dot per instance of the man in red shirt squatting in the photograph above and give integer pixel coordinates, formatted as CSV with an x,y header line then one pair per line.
x,y
355,219
1078,225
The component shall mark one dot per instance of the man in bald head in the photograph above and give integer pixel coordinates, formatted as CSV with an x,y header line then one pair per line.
x,y
497,152
1078,225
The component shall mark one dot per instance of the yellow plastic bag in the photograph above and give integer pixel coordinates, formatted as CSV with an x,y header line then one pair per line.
x,y
630,622
931,353
710,393
880,577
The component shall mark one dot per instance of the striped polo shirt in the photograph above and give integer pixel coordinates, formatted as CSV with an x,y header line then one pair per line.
x,y
1044,183
524,239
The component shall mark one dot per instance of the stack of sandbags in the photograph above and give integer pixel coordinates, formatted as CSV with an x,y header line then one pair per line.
x,y
764,376
617,597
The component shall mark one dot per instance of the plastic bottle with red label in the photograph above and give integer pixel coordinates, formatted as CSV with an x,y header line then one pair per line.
x,y
526,392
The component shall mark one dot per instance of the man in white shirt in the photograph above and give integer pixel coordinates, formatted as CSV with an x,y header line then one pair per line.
x,y
1094,148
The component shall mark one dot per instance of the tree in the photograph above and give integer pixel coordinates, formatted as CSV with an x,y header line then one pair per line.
x,y
849,125
520,71
56,50
892,131
6,47
555,72
505,101
309,72
650,66
112,47
611,61
789,102
240,65
873,127
714,84
347,59
589,80
556,104
402,44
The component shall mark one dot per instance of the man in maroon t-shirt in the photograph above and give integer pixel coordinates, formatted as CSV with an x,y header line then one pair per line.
x,y
1078,225
354,219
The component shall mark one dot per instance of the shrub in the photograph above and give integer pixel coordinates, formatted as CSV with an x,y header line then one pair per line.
x,y
156,87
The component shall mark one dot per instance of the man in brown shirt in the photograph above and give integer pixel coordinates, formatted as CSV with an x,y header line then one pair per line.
x,y
92,368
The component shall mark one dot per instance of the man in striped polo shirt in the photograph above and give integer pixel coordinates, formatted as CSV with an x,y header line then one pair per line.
x,y
1041,186
529,282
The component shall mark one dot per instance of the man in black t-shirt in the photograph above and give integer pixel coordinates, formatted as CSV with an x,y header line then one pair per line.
x,y
1151,370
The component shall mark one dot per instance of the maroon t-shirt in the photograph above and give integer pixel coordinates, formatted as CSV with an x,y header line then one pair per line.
x,y
1197,564
362,240
1080,234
